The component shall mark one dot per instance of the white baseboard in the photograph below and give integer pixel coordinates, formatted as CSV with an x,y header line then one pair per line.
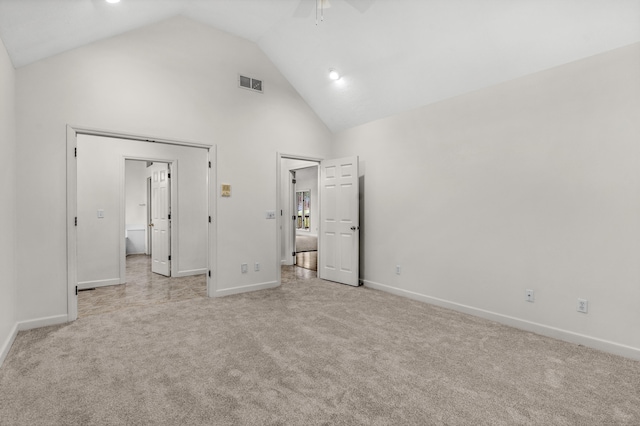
x,y
42,322
6,345
28,325
98,283
245,289
190,272
545,330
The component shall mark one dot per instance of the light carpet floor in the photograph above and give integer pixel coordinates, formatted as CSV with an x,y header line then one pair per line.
x,y
308,353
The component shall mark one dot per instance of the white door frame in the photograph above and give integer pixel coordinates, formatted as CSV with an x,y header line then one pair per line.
x,y
279,207
72,203
147,232
292,227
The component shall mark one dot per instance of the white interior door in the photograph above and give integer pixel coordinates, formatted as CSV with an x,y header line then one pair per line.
x,y
340,228
161,224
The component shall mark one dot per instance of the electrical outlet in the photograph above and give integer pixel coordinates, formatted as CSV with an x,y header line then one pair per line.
x,y
256,267
397,269
583,305
244,268
528,295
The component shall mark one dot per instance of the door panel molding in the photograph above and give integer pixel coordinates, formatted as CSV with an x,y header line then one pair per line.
x,y
338,238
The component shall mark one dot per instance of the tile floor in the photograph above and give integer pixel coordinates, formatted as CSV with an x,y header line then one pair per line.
x,y
296,274
307,260
142,288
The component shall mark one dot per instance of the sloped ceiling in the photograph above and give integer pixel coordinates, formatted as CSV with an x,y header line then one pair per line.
x,y
393,55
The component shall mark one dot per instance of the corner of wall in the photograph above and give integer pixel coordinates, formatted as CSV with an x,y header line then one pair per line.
x,y
8,145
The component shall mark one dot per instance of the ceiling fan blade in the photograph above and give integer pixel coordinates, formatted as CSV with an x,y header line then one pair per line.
x,y
304,8
361,5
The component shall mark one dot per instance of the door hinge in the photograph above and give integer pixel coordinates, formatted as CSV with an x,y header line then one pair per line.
x,y
209,273
209,164
293,181
209,219
75,221
293,217
169,257
293,253
76,290
168,175
169,217
75,152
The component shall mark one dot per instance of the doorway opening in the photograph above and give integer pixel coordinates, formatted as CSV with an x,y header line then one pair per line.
x,y
296,172
147,212
147,201
116,252
337,224
305,210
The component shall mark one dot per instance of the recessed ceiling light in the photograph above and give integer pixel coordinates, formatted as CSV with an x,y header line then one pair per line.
x,y
113,1
334,75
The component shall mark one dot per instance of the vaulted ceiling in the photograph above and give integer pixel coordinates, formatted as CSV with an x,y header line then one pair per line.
x,y
394,55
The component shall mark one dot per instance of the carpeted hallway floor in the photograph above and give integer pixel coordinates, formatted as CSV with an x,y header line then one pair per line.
x,y
308,353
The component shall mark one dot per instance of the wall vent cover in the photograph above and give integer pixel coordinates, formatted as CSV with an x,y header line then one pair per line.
x,y
250,83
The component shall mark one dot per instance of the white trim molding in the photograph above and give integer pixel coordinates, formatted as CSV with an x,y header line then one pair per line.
x,y
544,330
246,288
6,345
42,322
98,283
190,272
28,325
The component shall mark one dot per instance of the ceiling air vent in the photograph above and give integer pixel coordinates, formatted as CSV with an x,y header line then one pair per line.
x,y
250,83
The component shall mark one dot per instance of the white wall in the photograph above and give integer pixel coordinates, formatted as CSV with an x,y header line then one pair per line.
x,y
8,197
533,183
135,209
100,173
307,179
175,80
135,193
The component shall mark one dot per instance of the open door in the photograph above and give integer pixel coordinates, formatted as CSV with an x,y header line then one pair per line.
x,y
339,213
161,219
